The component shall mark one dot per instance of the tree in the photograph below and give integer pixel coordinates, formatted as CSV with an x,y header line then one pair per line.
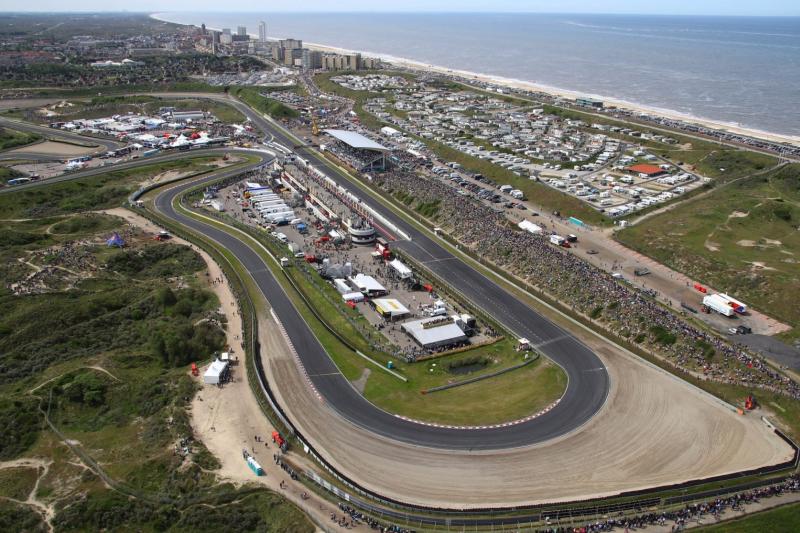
x,y
165,297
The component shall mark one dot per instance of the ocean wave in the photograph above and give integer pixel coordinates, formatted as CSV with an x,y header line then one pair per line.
x,y
685,108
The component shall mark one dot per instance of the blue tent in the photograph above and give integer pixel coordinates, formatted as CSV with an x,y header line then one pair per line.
x,y
115,240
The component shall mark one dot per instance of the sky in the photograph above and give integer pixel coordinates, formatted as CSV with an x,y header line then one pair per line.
x,y
670,7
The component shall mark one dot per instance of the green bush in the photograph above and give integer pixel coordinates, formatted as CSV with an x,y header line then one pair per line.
x,y
19,426
20,518
167,260
181,345
783,213
467,361
662,336
165,297
86,224
10,237
86,388
708,350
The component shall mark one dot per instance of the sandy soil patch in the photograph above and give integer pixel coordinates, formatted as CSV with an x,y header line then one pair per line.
x,y
46,510
653,430
166,176
14,103
56,149
219,163
759,265
228,419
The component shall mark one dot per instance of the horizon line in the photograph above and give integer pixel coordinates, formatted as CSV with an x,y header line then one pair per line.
x,y
410,12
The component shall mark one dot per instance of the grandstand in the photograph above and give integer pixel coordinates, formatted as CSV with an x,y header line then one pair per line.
x,y
362,153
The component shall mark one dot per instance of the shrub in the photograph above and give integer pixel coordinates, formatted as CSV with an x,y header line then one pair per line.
x,y
467,361
86,388
19,426
708,350
783,213
662,336
166,260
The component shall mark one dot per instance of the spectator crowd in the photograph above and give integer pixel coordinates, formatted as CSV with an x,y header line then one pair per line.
x,y
631,314
691,513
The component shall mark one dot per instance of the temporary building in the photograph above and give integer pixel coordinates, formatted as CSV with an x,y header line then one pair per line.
x,y
115,240
367,285
353,297
402,270
527,225
215,373
390,308
342,286
434,332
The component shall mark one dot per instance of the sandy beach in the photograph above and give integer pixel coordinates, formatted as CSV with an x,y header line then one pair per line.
x,y
564,93
404,63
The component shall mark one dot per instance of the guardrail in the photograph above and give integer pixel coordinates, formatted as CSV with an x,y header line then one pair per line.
x,y
434,516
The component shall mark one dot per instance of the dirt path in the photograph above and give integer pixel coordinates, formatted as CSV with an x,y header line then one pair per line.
x,y
46,510
97,368
613,256
703,194
654,429
228,419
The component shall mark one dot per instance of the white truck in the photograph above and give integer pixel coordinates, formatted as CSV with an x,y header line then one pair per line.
x,y
716,303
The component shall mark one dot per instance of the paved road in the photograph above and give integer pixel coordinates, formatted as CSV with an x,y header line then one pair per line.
x,y
104,145
579,404
169,156
588,379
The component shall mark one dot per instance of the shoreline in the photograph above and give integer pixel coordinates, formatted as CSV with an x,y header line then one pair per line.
x,y
546,89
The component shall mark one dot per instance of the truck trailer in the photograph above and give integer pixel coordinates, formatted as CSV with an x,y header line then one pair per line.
x,y
274,209
260,204
716,303
736,305
265,198
280,219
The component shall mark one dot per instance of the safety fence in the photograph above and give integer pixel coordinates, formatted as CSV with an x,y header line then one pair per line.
x,y
380,506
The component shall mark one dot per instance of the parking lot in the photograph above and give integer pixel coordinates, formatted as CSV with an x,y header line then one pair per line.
x,y
400,296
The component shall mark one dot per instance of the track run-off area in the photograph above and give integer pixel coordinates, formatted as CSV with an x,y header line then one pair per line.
x,y
622,424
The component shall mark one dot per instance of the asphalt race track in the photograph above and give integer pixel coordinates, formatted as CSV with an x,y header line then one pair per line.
x,y
588,379
343,397
55,134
